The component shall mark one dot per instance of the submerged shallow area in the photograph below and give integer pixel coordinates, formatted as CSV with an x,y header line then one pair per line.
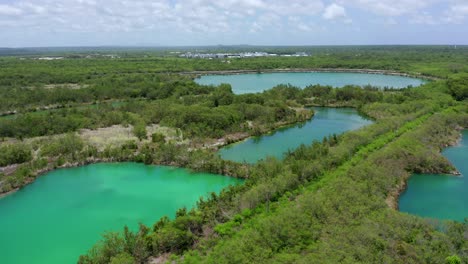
x,y
440,196
63,213
326,121
258,82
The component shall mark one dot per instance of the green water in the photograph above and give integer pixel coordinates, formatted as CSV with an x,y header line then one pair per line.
x,y
252,83
63,213
326,121
440,196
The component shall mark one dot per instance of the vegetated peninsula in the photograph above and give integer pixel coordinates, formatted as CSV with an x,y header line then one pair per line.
x,y
328,201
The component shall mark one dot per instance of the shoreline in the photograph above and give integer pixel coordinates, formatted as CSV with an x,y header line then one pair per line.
x,y
49,168
311,70
393,198
226,140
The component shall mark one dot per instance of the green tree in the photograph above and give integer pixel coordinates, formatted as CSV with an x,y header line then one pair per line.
x,y
223,95
454,259
123,258
139,130
458,86
158,138
14,153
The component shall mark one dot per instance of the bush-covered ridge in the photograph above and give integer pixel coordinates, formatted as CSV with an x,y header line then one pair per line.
x,y
244,239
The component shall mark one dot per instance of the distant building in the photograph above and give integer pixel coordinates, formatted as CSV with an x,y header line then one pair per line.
x,y
254,54
50,58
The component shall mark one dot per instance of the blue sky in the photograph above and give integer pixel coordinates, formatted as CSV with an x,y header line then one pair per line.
x,y
33,23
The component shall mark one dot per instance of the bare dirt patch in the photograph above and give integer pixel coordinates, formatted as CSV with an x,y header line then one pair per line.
x,y
73,86
118,135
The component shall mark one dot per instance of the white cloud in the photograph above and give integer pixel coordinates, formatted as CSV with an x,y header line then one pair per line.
x,y
389,7
391,21
423,12
334,11
214,20
7,10
255,27
32,8
424,18
176,15
456,13
304,27
296,7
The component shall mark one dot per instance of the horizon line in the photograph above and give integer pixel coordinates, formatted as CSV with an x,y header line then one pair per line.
x,y
222,45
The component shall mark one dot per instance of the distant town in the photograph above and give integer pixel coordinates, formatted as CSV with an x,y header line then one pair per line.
x,y
238,55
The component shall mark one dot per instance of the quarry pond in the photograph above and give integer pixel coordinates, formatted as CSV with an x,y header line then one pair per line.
x,y
63,213
258,82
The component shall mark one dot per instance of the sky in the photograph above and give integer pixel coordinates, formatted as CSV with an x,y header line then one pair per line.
x,y
48,23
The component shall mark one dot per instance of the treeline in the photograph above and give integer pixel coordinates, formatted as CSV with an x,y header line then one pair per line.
x,y
116,88
28,85
113,87
349,95
434,61
203,112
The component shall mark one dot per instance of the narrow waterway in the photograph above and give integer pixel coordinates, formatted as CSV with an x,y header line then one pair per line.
x,y
326,121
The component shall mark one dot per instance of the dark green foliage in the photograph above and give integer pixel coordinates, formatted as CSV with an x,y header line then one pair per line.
x,y
458,86
69,144
208,115
14,153
158,138
223,95
139,130
118,248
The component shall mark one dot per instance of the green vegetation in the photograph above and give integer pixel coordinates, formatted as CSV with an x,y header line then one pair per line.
x,y
330,202
14,153
458,86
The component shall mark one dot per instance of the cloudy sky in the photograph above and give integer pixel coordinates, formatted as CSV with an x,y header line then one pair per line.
x,y
33,23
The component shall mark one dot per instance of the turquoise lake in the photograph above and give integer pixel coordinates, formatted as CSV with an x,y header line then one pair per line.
x,y
63,213
253,83
440,196
326,121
